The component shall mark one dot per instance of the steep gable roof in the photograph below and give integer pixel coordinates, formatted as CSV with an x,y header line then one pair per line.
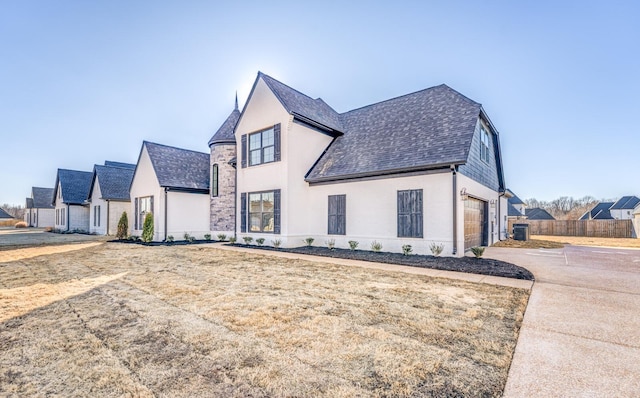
x,y
599,212
225,134
313,110
515,200
119,164
538,214
4,214
114,180
427,129
42,197
179,168
626,203
75,186
513,212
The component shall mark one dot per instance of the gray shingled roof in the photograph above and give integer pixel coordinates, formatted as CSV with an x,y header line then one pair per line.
x,y
119,164
626,203
538,214
515,200
75,186
114,181
513,212
426,129
179,168
29,204
225,133
4,214
599,212
42,197
299,104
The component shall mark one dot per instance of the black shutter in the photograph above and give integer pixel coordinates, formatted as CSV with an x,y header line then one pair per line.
x,y
276,211
402,219
243,156
243,210
416,214
276,142
135,215
151,204
410,219
337,214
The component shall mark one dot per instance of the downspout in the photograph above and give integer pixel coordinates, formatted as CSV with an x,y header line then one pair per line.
x,y
166,196
37,218
108,205
501,194
235,203
455,208
68,217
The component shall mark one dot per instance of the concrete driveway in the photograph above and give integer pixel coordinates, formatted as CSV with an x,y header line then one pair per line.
x,y
581,332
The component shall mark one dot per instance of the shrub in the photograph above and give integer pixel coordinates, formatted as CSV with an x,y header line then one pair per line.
x,y
247,240
260,241
222,237
376,246
232,240
147,228
309,241
353,244
436,248
207,236
123,226
477,251
406,249
186,236
331,244
170,238
276,243
21,224
134,238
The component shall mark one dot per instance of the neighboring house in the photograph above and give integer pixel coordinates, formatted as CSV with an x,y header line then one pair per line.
x,y
538,214
173,185
39,211
623,208
418,169
516,206
636,221
69,199
109,196
4,215
599,212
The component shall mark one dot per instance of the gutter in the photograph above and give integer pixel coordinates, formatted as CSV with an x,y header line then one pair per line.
x,y
108,206
454,183
166,196
235,204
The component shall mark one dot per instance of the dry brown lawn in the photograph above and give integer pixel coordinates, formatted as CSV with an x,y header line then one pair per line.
x,y
129,320
588,241
529,244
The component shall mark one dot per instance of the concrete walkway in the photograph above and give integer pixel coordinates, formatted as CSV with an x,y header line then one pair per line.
x,y
494,280
581,332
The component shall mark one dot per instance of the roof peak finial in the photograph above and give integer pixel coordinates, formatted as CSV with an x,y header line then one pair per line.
x,y
236,108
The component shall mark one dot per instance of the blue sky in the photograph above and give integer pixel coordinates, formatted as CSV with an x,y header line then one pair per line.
x,y
86,81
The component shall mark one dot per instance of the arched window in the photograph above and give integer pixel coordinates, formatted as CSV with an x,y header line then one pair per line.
x,y
214,179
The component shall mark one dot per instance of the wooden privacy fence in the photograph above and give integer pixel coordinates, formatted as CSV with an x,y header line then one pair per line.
x,y
590,228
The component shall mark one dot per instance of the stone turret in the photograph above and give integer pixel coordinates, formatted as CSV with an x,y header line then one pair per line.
x,y
223,171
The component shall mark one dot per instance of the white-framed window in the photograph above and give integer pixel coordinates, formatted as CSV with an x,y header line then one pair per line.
x,y
262,147
144,206
484,145
261,215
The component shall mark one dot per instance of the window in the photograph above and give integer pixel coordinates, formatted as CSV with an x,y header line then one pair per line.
x,y
96,216
63,218
261,147
410,213
484,145
145,205
214,180
261,217
57,216
337,214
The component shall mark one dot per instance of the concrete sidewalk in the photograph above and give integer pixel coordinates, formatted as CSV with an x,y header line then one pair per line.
x,y
493,280
581,332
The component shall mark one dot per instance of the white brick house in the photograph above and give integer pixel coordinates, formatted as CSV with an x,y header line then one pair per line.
x,y
109,196
69,199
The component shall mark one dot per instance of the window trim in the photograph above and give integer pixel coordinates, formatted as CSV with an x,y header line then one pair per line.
x,y
484,146
215,175
139,211
262,147
249,212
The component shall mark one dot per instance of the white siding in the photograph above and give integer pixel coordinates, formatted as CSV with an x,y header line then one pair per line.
x,y
79,218
187,212
115,210
145,183
97,222
45,218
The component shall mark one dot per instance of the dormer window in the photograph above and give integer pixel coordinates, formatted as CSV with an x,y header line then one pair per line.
x,y
484,145
261,147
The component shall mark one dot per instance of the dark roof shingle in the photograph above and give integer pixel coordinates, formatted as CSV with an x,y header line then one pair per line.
x,y
538,214
119,164
626,203
75,185
225,133
42,197
4,214
114,181
426,129
599,212
179,168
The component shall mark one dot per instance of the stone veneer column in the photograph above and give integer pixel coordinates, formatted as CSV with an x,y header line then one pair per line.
x,y
222,214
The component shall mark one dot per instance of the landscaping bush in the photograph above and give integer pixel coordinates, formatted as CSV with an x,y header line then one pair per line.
x,y
247,240
123,226
406,249
232,239
21,224
353,244
222,237
376,246
331,244
436,248
147,229
477,251
276,243
309,241
260,241
207,237
170,238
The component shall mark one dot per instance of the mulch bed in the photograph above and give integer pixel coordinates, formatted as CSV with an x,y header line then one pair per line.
x,y
472,265
174,243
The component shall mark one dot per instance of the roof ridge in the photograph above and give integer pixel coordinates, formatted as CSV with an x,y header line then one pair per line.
x,y
286,85
174,147
413,93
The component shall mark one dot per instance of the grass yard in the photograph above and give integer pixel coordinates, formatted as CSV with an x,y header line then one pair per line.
x,y
632,243
529,244
129,320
